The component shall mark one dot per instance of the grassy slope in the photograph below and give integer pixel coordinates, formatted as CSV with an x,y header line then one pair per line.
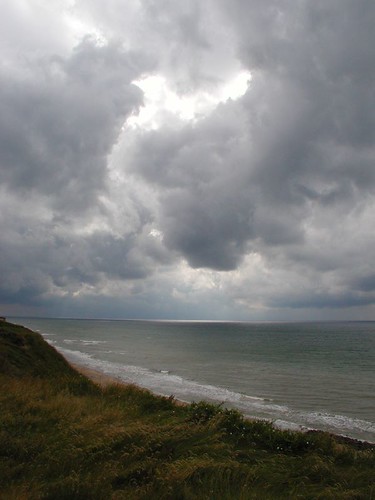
x,y
61,436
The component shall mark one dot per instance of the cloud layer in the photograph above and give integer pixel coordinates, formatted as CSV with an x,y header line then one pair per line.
x,y
259,207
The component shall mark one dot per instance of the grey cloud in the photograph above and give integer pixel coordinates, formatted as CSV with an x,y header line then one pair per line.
x,y
209,229
28,27
60,118
185,26
312,72
206,214
285,173
48,261
132,257
190,41
269,170
324,40
365,283
217,194
58,125
181,22
323,301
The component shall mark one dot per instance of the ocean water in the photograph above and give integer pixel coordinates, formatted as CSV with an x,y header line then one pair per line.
x,y
299,375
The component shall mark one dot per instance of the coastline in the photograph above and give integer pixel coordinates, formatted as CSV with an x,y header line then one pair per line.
x,y
70,434
97,376
104,380
163,379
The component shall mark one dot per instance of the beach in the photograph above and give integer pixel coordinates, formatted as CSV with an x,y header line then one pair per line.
x,y
297,375
104,380
97,376
67,437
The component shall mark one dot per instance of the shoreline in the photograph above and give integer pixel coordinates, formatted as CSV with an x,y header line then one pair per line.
x,y
66,436
97,376
133,360
104,380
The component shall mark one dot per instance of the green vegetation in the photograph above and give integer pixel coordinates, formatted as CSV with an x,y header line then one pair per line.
x,y
63,437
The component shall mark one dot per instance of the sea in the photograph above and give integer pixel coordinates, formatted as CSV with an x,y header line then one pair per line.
x,y
318,375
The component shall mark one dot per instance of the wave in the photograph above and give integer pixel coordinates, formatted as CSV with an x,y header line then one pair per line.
x,y
78,357
51,342
93,342
109,351
345,423
84,341
160,381
165,383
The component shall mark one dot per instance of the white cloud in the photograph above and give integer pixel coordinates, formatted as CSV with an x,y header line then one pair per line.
x,y
161,101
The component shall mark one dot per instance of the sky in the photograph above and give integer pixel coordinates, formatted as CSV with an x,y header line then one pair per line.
x,y
179,159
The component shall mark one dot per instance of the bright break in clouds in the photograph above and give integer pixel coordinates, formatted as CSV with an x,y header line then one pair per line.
x,y
170,159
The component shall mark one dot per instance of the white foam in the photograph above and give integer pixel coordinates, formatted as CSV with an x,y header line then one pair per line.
x,y
291,426
84,342
77,356
93,342
342,422
164,383
109,351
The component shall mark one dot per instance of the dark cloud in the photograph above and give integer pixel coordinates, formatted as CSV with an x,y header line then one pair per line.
x,y
59,124
365,283
52,260
303,137
60,118
266,201
323,301
206,214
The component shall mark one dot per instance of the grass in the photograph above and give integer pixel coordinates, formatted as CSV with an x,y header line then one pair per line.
x,y
63,437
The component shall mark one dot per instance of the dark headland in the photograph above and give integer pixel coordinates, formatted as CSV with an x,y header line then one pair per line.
x,y
64,436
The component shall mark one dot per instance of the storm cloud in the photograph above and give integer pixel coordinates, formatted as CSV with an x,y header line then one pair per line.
x,y
258,206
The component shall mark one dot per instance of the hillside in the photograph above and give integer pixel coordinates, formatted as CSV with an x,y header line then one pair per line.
x,y
62,436
25,353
